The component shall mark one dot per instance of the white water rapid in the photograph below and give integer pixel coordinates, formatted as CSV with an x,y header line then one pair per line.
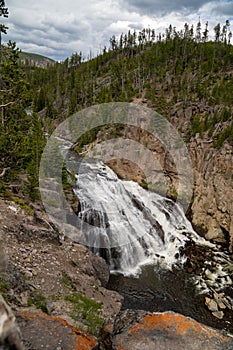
x,y
127,224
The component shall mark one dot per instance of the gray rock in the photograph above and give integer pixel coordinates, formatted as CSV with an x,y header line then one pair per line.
x,y
188,112
163,331
101,269
3,258
9,332
211,304
218,314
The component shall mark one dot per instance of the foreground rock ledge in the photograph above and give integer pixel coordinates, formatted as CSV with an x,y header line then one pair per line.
x,y
40,330
164,331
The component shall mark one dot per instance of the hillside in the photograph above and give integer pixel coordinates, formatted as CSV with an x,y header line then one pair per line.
x,y
175,72
185,78
36,60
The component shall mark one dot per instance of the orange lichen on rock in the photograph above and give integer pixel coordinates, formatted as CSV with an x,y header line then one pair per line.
x,y
169,331
176,323
73,337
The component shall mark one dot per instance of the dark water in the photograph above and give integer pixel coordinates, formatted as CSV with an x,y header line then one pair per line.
x,y
158,290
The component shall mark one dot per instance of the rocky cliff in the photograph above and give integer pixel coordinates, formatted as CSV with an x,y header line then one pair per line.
x,y
211,208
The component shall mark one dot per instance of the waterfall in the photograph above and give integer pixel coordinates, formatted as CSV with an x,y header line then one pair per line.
x,y
127,224
131,227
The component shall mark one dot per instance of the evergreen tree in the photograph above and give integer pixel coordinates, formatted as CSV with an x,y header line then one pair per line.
x,y
205,33
217,30
15,123
37,143
3,28
198,31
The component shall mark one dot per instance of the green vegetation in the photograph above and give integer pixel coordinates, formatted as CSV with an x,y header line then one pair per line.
x,y
87,138
67,281
86,310
166,69
4,286
23,205
34,59
144,184
39,301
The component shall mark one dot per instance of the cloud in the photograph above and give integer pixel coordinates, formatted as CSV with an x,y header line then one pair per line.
x,y
223,8
58,28
158,7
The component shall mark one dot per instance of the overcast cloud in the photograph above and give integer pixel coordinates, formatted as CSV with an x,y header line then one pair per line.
x,y
58,28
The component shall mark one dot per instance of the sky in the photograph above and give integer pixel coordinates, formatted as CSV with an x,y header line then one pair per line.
x,y
58,28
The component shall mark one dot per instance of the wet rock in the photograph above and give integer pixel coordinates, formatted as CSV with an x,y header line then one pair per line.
x,y
101,269
9,332
211,304
40,330
166,331
218,314
228,303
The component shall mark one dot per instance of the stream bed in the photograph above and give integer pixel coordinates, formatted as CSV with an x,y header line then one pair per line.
x,y
158,290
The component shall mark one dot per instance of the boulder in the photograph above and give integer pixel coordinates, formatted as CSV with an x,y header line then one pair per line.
x,y
164,331
40,330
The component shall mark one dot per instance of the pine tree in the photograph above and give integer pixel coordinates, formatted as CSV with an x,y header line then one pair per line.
x,y
198,31
15,123
205,33
37,143
217,30
3,28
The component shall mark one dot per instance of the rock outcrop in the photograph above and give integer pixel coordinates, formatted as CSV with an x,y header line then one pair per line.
x,y
9,331
40,330
212,209
163,331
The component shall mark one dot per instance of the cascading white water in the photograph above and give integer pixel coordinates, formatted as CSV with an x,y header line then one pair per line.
x,y
132,225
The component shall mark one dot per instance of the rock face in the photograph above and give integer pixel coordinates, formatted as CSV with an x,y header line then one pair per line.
x,y
212,209
9,332
164,331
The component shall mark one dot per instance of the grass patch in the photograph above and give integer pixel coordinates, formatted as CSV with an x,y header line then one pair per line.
x,y
144,184
67,281
4,286
23,205
73,263
86,309
55,297
4,289
39,301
